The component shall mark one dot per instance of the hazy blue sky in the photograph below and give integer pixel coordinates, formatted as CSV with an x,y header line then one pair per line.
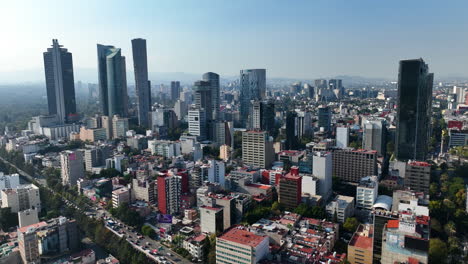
x,y
298,39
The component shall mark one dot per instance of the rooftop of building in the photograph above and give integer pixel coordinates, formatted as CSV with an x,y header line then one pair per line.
x,y
240,235
212,208
290,153
24,229
419,163
259,186
363,237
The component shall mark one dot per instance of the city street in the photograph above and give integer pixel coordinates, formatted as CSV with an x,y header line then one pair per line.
x,y
165,255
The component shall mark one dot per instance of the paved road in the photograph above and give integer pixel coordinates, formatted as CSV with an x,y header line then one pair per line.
x,y
98,212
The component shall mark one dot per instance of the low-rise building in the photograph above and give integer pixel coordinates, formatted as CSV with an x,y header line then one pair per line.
x,y
342,206
211,219
360,247
240,246
195,246
366,192
120,196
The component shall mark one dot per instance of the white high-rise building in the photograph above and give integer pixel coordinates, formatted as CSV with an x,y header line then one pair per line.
x,y
164,148
28,217
9,181
197,123
373,136
216,172
366,192
342,137
180,109
22,198
322,169
72,165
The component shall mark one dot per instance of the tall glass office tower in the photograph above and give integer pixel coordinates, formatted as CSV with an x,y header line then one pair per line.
x,y
112,81
414,110
58,67
213,79
252,87
142,85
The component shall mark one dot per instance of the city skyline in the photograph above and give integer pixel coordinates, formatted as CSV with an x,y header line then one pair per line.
x,y
311,40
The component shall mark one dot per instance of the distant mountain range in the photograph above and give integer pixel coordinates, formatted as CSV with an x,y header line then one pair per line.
x,y
90,75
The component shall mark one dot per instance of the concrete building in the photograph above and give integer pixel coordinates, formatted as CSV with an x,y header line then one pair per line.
x,y
121,196
180,109
406,240
374,135
216,172
290,189
366,192
418,176
225,152
27,243
211,219
240,246
93,134
165,148
72,166
197,123
58,67
22,198
360,247
257,149
342,137
119,126
143,189
195,246
9,181
342,206
352,165
96,157
322,168
458,138
411,201
28,217
169,194
55,236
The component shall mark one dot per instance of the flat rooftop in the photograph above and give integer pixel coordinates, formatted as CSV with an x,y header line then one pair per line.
x,y
241,236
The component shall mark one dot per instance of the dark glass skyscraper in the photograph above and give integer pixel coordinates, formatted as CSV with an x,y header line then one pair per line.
x,y
414,110
58,67
142,85
252,87
202,97
291,130
175,90
112,81
213,79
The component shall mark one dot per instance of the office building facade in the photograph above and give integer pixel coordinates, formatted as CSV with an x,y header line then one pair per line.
x,y
142,84
414,110
58,66
112,81
252,87
72,167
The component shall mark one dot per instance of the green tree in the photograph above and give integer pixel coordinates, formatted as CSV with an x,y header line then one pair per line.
x,y
7,219
351,224
148,231
437,251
